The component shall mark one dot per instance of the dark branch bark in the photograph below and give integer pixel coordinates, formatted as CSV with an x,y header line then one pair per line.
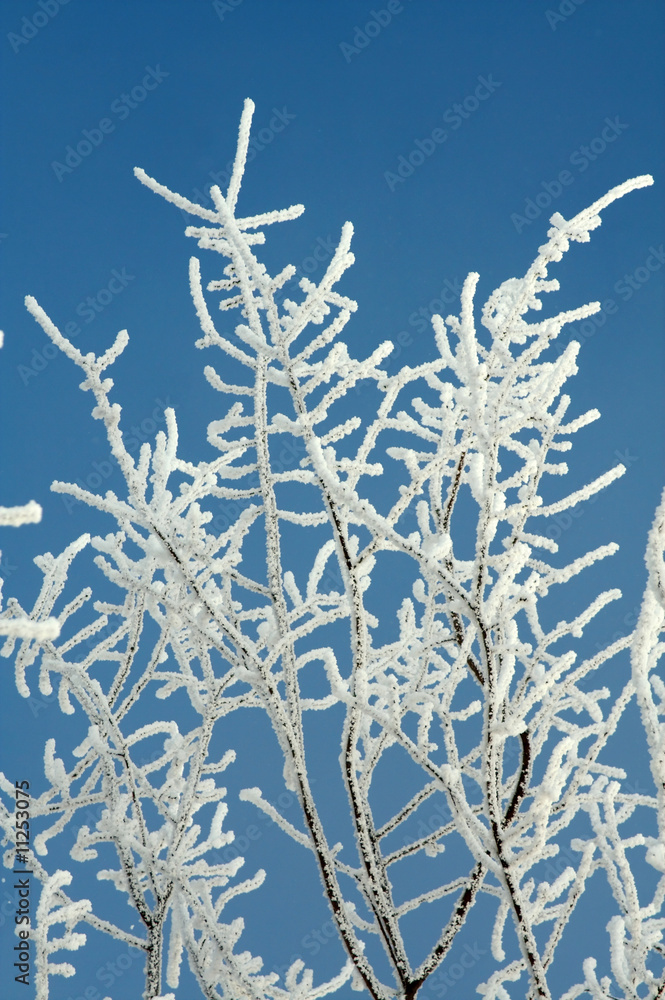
x,y
522,780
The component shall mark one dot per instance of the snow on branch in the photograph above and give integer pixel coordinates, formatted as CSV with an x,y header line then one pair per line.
x,y
472,686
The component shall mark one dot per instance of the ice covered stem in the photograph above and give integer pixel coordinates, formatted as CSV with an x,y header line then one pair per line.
x,y
647,649
577,230
23,628
154,951
51,911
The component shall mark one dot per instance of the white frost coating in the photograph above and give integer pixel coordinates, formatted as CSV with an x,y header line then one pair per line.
x,y
29,629
53,910
21,626
29,513
475,691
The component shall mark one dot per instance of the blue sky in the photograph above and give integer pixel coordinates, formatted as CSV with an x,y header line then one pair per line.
x,y
509,111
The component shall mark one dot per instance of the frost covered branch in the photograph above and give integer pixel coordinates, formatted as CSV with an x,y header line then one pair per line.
x,y
470,686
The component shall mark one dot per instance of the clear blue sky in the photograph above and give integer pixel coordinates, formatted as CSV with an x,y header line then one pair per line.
x,y
539,108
